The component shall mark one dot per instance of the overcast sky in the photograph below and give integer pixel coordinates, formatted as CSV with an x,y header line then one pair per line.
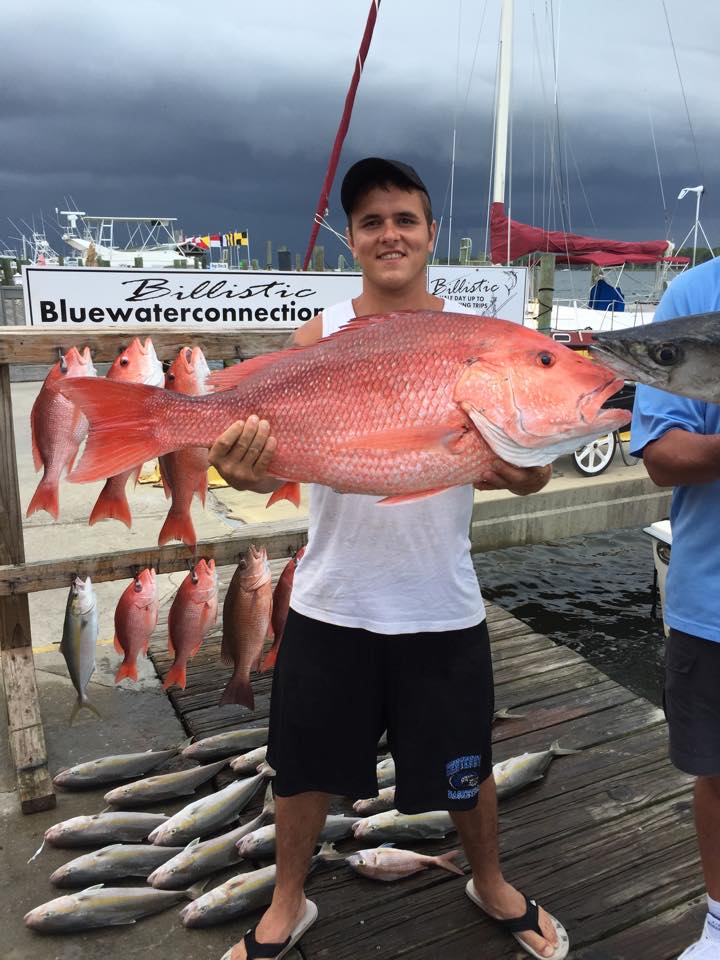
x,y
223,113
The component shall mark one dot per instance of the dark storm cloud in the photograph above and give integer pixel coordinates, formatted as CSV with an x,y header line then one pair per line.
x,y
225,117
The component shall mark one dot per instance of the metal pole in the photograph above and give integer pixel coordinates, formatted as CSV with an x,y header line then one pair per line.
x,y
503,102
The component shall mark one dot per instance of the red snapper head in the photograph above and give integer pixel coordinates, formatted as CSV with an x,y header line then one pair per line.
x,y
255,567
143,590
534,400
204,580
72,364
188,372
138,363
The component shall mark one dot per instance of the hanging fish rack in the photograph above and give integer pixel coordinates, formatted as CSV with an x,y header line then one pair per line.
x,y
21,345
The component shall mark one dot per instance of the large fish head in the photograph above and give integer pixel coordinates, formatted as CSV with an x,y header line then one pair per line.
x,y
680,356
53,915
138,363
188,372
72,364
142,592
533,400
256,570
370,826
83,596
201,584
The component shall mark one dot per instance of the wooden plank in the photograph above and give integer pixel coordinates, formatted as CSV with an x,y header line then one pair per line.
x,y
28,345
27,739
662,937
281,538
586,878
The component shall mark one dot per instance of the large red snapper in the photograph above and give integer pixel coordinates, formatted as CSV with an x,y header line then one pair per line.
x,y
247,613
136,617
137,363
400,406
58,428
193,612
184,472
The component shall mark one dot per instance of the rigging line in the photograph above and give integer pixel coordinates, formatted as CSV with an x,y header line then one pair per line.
x,y
657,164
342,127
682,88
580,181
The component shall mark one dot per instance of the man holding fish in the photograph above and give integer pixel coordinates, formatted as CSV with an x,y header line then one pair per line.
x,y
386,616
679,440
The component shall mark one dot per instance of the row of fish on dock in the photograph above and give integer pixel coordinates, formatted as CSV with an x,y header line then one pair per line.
x,y
178,855
252,613
59,428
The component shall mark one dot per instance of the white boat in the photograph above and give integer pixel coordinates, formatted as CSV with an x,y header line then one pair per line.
x,y
149,238
660,533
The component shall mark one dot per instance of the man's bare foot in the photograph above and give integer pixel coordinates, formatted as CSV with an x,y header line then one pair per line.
x,y
275,926
505,902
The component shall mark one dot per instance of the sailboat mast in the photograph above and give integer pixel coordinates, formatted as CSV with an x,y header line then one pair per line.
x,y
502,111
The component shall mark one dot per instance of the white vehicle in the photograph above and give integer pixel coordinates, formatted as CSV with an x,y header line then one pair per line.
x,y
661,535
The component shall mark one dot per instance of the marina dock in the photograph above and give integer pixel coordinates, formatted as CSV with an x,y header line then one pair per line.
x,y
605,841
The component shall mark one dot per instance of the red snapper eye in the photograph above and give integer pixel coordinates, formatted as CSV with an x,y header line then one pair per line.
x,y
545,359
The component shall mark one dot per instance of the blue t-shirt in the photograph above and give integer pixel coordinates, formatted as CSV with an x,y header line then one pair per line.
x,y
692,593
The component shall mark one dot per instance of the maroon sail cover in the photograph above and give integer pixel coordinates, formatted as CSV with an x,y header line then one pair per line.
x,y
569,247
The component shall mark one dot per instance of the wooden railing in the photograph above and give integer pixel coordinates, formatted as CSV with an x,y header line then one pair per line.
x,y
21,345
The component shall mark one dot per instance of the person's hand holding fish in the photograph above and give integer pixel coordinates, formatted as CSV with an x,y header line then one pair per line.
x,y
518,480
242,453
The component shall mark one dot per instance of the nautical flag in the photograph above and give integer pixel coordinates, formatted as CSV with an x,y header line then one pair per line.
x,y
205,240
238,238
215,240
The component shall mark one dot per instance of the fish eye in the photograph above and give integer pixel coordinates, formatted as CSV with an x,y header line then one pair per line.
x,y
124,361
171,376
666,354
545,359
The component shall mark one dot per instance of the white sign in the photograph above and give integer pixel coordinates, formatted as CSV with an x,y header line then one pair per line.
x,y
489,291
240,299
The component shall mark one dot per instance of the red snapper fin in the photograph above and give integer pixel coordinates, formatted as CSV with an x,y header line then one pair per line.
x,y
238,691
46,498
230,377
178,526
126,669
413,438
118,647
122,421
176,675
270,658
112,504
36,455
288,491
407,497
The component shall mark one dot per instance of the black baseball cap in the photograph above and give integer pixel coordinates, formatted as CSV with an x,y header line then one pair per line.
x,y
373,170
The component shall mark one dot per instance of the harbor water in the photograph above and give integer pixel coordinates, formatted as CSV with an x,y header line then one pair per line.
x,y
591,593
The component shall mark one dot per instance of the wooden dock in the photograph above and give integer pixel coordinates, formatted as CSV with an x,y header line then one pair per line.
x,y
606,841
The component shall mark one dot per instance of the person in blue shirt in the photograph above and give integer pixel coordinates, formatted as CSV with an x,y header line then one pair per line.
x,y
679,440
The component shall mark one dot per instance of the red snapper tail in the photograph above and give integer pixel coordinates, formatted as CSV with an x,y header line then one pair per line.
x,y
124,420
45,498
112,504
239,691
178,526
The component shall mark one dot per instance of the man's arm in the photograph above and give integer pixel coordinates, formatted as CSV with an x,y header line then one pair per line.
x,y
680,458
242,453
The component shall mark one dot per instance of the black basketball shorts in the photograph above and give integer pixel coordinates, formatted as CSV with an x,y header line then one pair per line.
x,y
336,689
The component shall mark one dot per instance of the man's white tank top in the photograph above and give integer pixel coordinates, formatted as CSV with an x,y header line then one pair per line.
x,y
402,568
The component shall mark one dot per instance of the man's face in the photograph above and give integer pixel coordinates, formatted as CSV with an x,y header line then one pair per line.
x,y
390,236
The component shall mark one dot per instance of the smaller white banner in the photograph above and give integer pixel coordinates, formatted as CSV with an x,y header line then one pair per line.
x,y
489,291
